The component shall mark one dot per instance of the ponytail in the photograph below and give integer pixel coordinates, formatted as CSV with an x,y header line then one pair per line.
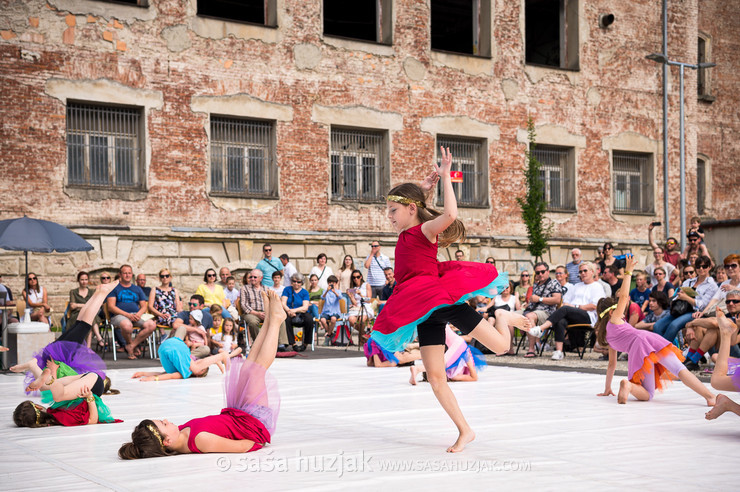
x,y
601,322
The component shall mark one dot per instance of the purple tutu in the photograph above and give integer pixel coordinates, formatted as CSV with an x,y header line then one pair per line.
x,y
372,348
78,357
250,388
733,370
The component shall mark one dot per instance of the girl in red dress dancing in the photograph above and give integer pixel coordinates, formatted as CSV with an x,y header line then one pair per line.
x,y
429,293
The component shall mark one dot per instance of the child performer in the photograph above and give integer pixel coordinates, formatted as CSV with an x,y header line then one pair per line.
x,y
652,358
252,402
377,357
429,294
726,375
69,352
462,362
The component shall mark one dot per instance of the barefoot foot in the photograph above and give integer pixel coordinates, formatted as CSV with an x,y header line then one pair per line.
x,y
712,401
275,309
414,372
722,405
21,367
464,438
624,391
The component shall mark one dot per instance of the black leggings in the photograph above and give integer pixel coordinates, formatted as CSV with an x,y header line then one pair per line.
x,y
99,387
567,315
302,319
77,334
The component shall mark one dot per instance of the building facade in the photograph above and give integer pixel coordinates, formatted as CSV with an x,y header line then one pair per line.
x,y
184,133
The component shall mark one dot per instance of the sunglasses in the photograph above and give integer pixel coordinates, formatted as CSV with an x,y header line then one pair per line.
x,y
356,276
559,273
659,274
582,271
253,276
164,275
267,249
524,275
211,275
671,242
491,262
540,272
104,278
194,304
732,301
730,266
703,267
31,278
689,272
375,245
296,281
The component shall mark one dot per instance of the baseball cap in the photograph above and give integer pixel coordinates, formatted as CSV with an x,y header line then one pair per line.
x,y
693,234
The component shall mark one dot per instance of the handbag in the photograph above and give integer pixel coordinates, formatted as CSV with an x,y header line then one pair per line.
x,y
679,307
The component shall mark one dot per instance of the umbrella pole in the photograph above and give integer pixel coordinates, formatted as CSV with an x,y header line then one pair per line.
x,y
28,310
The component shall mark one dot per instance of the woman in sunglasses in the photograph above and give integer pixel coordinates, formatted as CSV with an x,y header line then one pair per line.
x,y
212,292
36,299
164,301
609,259
360,293
705,288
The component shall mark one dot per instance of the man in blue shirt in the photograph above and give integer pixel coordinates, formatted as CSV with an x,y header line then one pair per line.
x,y
268,265
127,303
295,302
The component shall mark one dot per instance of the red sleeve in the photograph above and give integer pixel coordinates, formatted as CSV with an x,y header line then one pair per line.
x,y
69,417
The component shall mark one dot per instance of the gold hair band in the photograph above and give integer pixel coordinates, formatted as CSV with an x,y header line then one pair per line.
x,y
405,201
603,313
38,414
156,434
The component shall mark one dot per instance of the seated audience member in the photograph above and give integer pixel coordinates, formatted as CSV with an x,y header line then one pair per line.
x,y
127,305
695,247
277,283
704,336
561,275
197,339
610,260
211,292
141,282
659,262
705,288
296,305
658,305
506,301
662,284
545,298
491,261
225,340
686,272
579,307
720,274
231,292
572,266
604,285
218,318
641,292
331,310
164,301
360,310
6,299
390,284
36,299
459,255
634,312
524,289
77,299
611,277
224,273
253,307
195,303
314,295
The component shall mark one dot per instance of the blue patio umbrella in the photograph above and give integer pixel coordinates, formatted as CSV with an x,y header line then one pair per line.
x,y
39,236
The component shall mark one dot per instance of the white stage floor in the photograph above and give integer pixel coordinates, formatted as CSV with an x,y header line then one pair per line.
x,y
345,425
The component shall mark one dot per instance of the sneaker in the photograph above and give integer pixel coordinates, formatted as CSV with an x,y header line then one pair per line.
x,y
558,355
691,365
622,356
536,331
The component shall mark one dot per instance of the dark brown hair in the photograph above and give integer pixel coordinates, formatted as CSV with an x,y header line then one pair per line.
x,y
455,232
600,327
25,416
144,444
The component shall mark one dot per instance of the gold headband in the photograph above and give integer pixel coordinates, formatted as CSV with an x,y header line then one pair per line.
x,y
156,434
38,414
603,313
405,201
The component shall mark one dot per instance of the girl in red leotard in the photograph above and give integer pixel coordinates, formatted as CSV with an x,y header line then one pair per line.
x,y
252,403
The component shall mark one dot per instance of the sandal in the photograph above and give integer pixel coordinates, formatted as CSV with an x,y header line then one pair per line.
x,y
530,355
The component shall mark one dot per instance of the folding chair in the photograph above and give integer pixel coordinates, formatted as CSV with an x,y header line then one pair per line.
x,y
106,331
317,325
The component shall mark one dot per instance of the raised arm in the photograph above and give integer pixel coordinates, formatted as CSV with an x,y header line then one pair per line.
x,y
624,291
653,244
436,226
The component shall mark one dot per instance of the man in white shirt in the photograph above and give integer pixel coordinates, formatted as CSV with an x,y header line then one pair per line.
x,y
376,263
288,269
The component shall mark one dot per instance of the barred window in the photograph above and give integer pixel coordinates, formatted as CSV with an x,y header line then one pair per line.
x,y
633,182
468,156
104,146
557,174
701,186
243,158
358,165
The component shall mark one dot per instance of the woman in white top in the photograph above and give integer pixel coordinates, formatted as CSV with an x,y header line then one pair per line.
x,y
322,271
659,262
345,275
36,300
502,301
579,307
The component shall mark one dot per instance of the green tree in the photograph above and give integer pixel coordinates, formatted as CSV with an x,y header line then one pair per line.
x,y
533,204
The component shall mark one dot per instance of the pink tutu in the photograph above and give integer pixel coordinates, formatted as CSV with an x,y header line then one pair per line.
x,y
733,370
250,388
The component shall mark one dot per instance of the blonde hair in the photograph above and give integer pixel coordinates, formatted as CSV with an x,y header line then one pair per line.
x,y
454,233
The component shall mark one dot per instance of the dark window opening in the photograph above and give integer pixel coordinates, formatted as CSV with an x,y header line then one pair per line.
x,y
357,19
701,80
701,186
551,33
236,10
453,26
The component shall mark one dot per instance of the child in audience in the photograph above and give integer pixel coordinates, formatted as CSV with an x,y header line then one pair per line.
x,y
652,358
331,310
641,292
217,315
224,339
